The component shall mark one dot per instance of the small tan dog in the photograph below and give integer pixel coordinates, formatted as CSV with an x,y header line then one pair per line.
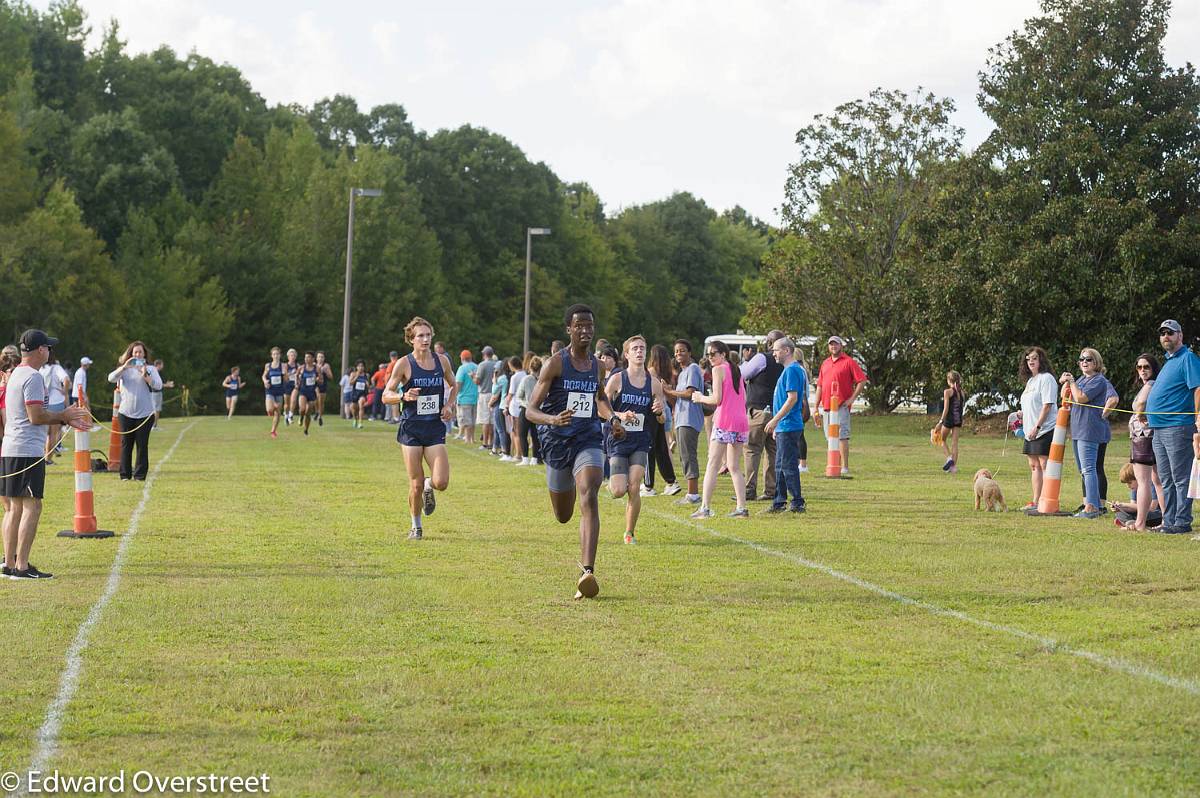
x,y
987,491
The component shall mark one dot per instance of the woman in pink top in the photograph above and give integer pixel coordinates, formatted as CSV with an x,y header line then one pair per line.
x,y
731,430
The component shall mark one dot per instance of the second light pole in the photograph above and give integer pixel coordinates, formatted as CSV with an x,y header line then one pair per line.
x,y
354,192
530,232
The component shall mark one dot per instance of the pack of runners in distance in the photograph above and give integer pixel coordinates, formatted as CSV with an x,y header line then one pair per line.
x,y
592,417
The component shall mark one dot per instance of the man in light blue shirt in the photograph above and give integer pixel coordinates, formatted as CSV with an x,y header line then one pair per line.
x,y
1173,412
468,395
689,418
787,425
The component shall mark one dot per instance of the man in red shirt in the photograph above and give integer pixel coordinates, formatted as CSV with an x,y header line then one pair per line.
x,y
379,379
840,376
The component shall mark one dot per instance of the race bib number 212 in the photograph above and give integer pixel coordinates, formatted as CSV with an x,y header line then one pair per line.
x,y
581,404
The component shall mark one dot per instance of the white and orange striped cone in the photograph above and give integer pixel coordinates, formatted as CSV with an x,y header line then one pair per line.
x,y
833,435
84,525
1048,503
114,438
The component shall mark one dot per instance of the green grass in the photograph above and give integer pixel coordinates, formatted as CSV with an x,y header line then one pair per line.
x,y
272,618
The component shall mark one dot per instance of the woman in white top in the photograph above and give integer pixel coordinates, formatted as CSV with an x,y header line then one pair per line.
x,y
135,379
58,386
514,408
1039,409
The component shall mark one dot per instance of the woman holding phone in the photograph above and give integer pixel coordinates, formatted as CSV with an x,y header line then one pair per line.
x,y
135,379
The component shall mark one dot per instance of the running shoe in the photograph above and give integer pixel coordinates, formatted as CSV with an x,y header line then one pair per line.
x,y
672,489
629,539
688,500
30,573
946,465
648,491
1087,514
6,571
803,469
1030,506
740,513
702,513
800,509
274,434
415,533
306,430
587,586
320,421
430,500
845,472
774,509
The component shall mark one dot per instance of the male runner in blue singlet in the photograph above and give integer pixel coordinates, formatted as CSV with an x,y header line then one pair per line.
x,y
569,405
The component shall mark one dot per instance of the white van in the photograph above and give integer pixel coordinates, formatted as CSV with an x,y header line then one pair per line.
x,y
735,342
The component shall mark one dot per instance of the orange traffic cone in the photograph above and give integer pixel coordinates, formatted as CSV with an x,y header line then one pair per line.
x,y
84,525
1048,503
114,438
833,432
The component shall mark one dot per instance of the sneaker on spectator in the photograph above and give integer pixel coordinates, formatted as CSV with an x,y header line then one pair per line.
x,y
30,573
671,489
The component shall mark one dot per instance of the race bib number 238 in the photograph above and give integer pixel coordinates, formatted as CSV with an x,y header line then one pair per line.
x,y
428,405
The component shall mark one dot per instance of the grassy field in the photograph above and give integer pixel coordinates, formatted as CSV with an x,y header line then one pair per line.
x,y
271,617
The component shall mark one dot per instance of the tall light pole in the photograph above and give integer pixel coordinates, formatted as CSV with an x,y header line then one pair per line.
x,y
354,192
530,232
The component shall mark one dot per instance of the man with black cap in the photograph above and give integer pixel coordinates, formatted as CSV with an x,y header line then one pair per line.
x,y
21,455
1173,412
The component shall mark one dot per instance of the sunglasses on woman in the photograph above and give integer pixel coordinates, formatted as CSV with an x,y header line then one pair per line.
x,y
1085,359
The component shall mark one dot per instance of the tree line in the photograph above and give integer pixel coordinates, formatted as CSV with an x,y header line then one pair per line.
x,y
1075,223
160,197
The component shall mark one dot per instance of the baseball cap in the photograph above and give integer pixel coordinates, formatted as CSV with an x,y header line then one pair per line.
x,y
463,355
85,361
1172,325
488,351
393,354
837,338
32,339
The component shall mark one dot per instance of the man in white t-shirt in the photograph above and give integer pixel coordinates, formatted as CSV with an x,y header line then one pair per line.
x,y
80,382
21,455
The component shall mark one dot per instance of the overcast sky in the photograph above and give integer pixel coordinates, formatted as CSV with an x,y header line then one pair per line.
x,y
639,98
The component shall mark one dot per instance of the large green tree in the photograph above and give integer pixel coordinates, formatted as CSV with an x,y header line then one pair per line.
x,y
863,175
1077,223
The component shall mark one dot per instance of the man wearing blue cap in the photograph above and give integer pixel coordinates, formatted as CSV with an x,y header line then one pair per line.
x,y
1173,412
22,460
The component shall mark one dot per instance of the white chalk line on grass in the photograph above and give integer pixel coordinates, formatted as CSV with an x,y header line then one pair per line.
x,y
47,736
1047,643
